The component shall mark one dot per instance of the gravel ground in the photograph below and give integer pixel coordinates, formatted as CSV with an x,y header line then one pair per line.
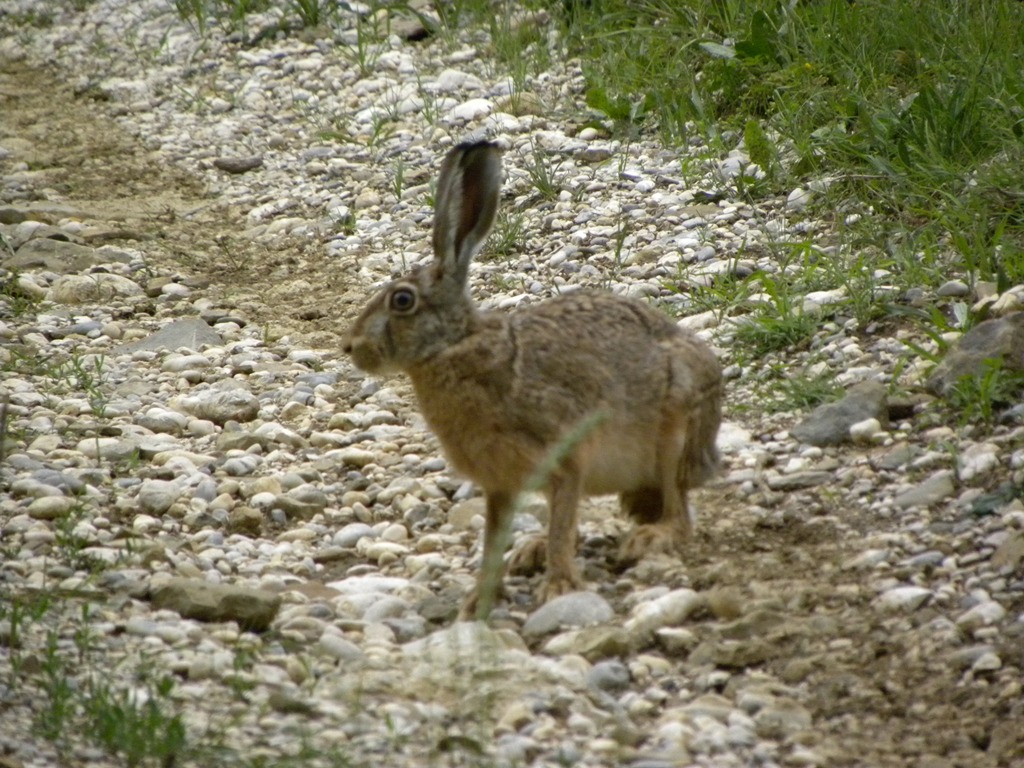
x,y
198,487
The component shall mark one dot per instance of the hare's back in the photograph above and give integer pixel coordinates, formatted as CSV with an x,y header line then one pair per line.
x,y
600,347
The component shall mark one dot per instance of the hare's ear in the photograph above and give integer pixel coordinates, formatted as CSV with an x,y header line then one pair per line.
x,y
467,200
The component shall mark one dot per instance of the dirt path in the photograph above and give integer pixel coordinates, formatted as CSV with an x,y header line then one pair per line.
x,y
882,687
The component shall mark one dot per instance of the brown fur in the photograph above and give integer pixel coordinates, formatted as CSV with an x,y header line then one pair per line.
x,y
505,392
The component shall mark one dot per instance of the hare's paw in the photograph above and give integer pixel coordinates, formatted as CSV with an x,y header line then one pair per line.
x,y
556,585
654,538
468,611
530,557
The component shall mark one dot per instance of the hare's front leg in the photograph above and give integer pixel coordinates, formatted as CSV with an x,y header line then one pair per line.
x,y
492,567
564,490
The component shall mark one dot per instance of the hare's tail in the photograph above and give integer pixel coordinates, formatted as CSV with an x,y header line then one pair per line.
x,y
700,459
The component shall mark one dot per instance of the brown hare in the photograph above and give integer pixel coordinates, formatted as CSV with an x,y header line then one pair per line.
x,y
590,392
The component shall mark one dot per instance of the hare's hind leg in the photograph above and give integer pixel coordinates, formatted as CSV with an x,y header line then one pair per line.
x,y
662,515
492,567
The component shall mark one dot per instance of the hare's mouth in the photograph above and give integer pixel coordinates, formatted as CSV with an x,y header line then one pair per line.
x,y
369,358
365,357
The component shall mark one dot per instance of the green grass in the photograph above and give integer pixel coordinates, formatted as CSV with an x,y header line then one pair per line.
x,y
543,171
783,390
917,107
13,299
508,238
914,111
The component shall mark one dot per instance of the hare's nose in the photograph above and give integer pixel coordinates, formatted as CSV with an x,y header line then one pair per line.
x,y
346,343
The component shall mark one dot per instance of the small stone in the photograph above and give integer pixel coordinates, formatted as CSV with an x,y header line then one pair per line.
x,y
464,514
1010,553
470,110
395,532
156,496
987,662
178,363
337,647
936,488
903,599
966,658
798,199
350,535
869,558
953,289
592,643
982,615
782,719
611,676
864,431
238,164
797,480
576,609
245,520
977,459
222,403
669,610
253,609
356,457
50,507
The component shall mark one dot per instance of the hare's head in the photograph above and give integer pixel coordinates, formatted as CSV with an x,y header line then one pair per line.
x,y
418,315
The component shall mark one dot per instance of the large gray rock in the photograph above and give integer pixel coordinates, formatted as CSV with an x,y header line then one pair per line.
x,y
1000,340
99,287
61,256
189,332
830,424
252,609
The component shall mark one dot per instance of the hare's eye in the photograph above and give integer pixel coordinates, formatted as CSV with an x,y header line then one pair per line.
x,y
403,301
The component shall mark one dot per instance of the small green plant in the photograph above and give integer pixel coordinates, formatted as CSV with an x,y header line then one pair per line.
x,y
626,115
5,403
543,174
196,13
518,42
311,13
398,179
12,297
622,233
383,128
759,147
228,14
978,398
21,612
787,391
778,323
140,726
368,48
69,544
58,704
431,110
508,237
85,373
